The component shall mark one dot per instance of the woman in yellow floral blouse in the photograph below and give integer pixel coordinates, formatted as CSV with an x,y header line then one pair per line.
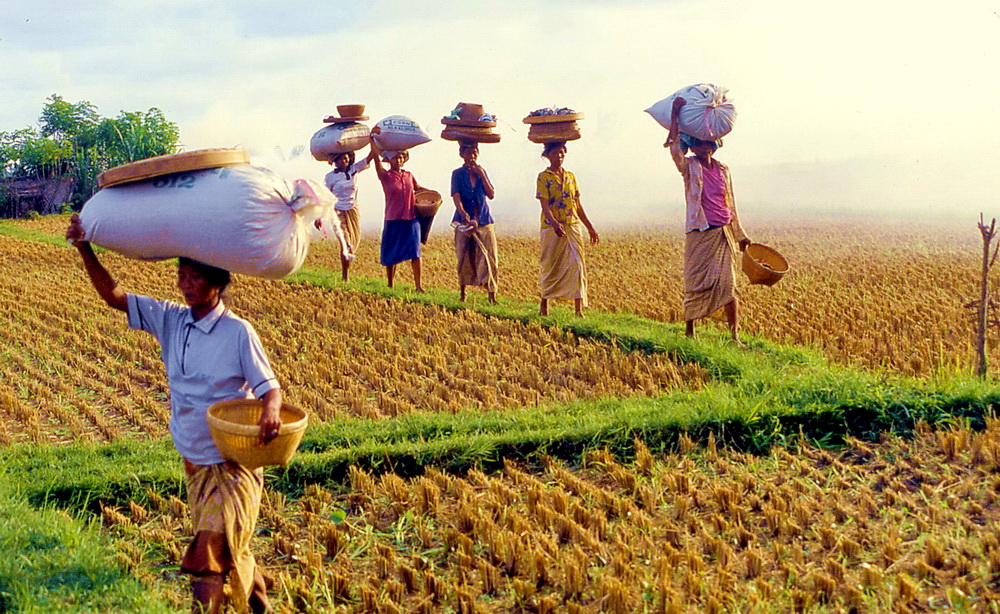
x,y
564,270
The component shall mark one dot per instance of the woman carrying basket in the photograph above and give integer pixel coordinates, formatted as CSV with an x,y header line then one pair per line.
x,y
401,227
712,229
210,355
564,268
475,242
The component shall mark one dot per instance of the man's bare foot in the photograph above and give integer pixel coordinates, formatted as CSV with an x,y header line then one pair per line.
x,y
493,298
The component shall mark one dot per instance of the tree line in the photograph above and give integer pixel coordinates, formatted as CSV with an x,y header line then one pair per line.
x,y
73,140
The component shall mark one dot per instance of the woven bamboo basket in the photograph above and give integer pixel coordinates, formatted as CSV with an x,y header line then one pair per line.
x,y
148,168
470,134
233,425
554,131
428,202
763,264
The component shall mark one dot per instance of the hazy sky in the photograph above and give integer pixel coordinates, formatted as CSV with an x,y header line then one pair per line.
x,y
856,106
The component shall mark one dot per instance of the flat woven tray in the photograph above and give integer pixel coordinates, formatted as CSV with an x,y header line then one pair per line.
x,y
549,119
174,163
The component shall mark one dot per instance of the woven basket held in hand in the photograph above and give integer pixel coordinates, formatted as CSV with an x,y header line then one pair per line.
x,y
428,202
763,265
233,425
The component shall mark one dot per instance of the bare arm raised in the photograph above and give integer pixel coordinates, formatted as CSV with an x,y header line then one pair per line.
x,y
105,285
673,138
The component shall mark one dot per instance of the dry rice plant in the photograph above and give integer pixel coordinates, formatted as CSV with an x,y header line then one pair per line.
x,y
73,371
902,525
868,292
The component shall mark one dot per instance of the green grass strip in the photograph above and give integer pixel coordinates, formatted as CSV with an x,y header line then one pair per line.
x,y
821,408
26,234
628,332
53,562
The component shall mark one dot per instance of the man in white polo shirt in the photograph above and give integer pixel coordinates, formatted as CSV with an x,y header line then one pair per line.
x,y
210,355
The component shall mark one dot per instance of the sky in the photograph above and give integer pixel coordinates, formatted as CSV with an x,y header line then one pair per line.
x,y
875,107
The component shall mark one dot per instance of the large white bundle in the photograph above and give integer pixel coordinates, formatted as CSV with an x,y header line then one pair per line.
x,y
337,139
398,132
708,114
240,218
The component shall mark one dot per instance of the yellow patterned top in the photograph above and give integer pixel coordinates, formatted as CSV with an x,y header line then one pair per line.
x,y
561,195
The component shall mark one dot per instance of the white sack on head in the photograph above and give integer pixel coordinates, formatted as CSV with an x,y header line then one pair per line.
x,y
337,139
708,115
398,132
244,219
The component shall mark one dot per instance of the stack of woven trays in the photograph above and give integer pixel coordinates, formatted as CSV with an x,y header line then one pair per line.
x,y
470,123
551,124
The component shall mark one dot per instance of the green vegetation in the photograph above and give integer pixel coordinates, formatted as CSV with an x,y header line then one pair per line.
x,y
55,562
73,139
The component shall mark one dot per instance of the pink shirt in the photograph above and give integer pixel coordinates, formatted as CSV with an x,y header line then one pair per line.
x,y
713,196
400,203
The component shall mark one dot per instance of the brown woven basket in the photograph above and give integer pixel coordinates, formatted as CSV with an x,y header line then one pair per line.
x,y
763,264
428,202
148,168
474,135
233,425
351,110
552,119
547,133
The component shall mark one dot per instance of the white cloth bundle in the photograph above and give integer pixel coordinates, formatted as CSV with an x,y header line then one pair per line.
x,y
708,115
397,132
240,218
337,139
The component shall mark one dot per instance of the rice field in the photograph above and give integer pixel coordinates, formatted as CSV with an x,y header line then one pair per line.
x,y
902,525
880,294
74,372
883,295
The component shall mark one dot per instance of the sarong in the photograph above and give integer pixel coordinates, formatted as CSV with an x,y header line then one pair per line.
x,y
709,271
564,269
476,251
350,223
225,498
400,241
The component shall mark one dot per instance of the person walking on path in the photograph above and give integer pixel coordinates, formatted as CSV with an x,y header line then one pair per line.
x,y
341,181
401,228
475,241
563,264
713,233
210,355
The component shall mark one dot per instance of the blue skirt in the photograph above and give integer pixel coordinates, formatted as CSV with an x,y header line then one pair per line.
x,y
400,241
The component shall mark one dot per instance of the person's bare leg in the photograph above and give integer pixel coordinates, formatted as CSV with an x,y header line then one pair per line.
x,y
493,297
207,593
415,263
344,265
543,307
689,328
461,292
732,317
390,273
578,305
